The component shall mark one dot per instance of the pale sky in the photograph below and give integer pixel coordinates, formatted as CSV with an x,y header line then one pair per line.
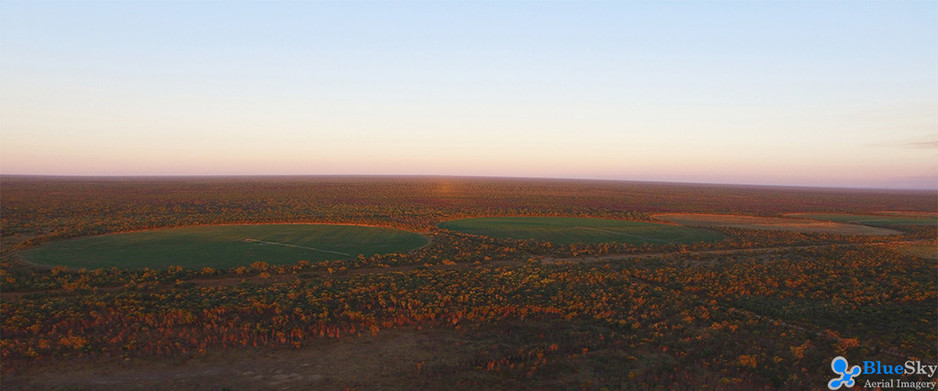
x,y
785,93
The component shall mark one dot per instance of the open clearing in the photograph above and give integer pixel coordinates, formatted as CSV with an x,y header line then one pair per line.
x,y
223,246
923,248
772,223
568,230
366,362
887,219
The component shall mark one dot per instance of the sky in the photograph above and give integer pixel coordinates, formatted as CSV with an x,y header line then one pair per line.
x,y
833,94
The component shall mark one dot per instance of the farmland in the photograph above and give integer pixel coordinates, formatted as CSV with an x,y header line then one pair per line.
x,y
879,220
772,223
225,246
570,230
747,309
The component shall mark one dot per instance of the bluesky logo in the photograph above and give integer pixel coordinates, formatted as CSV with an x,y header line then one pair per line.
x,y
839,366
847,374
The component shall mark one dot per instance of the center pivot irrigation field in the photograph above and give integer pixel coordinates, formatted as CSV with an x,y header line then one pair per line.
x,y
223,246
569,230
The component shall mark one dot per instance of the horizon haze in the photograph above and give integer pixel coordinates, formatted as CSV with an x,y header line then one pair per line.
x,y
786,94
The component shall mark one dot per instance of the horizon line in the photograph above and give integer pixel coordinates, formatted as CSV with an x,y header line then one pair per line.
x,y
428,176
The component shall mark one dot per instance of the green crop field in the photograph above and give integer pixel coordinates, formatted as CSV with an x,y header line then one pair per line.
x,y
568,230
877,220
223,246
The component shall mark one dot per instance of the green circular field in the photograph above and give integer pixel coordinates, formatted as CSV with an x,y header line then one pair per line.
x,y
568,230
224,246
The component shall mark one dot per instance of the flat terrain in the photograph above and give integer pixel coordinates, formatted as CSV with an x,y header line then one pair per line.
x,y
875,220
568,230
367,362
772,223
223,246
926,248
750,309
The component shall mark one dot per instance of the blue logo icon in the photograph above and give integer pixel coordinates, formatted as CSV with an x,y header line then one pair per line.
x,y
839,365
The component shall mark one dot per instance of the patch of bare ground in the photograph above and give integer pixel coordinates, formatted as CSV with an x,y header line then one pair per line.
x,y
391,360
772,223
922,248
904,213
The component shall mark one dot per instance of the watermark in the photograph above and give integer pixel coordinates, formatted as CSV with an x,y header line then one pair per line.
x,y
847,375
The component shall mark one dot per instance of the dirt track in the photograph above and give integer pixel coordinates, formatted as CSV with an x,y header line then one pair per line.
x,y
548,260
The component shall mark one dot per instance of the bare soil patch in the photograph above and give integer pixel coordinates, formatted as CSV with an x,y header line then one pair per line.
x,y
906,213
923,248
385,361
772,223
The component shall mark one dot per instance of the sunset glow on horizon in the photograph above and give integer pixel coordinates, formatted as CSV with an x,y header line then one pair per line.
x,y
816,94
